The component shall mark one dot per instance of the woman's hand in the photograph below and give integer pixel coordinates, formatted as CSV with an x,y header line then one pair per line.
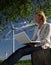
x,y
31,44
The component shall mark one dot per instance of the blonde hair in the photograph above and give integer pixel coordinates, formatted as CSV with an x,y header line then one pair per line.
x,y
42,15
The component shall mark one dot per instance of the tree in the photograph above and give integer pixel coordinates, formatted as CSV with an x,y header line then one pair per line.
x,y
15,9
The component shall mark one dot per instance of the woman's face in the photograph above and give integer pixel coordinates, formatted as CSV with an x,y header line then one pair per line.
x,y
37,19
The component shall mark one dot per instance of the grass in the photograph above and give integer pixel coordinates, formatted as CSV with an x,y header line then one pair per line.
x,y
0,61
23,62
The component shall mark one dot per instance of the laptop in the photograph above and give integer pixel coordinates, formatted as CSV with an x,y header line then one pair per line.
x,y
23,38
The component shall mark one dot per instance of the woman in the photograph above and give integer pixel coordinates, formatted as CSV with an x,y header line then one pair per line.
x,y
42,32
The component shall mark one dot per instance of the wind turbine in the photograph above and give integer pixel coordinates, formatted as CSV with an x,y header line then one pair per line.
x,y
13,28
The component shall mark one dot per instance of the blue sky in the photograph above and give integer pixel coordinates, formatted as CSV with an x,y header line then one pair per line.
x,y
6,45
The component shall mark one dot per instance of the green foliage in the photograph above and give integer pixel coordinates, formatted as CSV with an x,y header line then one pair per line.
x,y
23,62
0,61
45,6
15,9
23,8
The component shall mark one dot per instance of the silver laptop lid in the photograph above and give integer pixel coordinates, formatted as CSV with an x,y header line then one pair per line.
x,y
22,38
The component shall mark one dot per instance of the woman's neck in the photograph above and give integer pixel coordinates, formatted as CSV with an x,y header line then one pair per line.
x,y
40,25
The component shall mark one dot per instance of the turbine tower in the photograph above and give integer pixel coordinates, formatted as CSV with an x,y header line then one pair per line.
x,y
13,28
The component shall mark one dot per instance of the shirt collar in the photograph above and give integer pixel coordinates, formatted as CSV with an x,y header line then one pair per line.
x,y
45,22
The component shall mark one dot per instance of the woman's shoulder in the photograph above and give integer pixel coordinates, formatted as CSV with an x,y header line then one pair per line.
x,y
46,25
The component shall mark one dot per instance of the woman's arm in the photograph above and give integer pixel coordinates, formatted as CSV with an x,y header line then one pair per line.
x,y
35,34
45,32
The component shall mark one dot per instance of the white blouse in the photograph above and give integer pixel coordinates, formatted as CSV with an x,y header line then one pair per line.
x,y
45,46
38,35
